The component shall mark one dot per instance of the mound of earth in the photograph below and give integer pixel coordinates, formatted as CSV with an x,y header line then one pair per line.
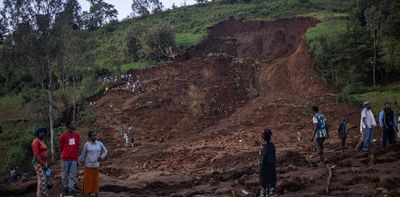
x,y
197,126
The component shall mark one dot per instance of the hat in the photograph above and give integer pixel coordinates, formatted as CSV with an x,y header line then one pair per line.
x,y
366,103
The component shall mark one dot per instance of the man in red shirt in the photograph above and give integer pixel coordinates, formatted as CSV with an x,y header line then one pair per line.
x,y
69,147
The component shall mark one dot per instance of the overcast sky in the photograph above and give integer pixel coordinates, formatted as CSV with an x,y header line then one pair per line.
x,y
124,6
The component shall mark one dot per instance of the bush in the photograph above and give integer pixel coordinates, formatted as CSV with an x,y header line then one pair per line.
x,y
88,116
157,40
132,45
345,98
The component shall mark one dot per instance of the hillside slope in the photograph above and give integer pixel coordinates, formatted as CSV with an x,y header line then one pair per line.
x,y
198,124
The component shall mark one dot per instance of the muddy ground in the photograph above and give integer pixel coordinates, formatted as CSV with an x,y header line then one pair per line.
x,y
198,123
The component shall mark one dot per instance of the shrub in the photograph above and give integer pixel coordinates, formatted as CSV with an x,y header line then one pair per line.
x,y
157,40
132,45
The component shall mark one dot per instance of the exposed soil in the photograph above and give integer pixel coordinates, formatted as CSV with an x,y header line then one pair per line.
x,y
198,124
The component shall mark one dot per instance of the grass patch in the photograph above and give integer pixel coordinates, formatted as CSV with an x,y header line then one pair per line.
x,y
379,95
135,65
327,28
187,40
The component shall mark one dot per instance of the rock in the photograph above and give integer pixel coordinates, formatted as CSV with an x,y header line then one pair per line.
x,y
389,183
378,192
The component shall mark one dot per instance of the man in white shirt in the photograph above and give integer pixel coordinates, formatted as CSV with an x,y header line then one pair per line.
x,y
367,124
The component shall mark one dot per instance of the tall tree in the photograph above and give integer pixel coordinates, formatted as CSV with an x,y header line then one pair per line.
x,y
66,22
145,7
45,12
77,59
100,14
3,27
374,21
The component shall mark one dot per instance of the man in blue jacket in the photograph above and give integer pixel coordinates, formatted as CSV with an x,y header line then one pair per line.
x,y
388,124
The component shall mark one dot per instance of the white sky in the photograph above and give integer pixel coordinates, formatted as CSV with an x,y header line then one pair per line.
x,y
124,6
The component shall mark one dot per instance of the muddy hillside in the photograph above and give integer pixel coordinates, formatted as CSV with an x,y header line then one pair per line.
x,y
198,123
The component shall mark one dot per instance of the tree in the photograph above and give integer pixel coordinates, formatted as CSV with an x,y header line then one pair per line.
x,y
17,12
157,40
66,22
374,20
391,38
3,28
45,12
132,44
145,7
77,59
100,14
201,1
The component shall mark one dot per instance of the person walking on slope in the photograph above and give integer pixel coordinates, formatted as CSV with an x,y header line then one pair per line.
x,y
367,124
342,132
388,124
268,166
69,147
39,162
320,132
129,138
93,152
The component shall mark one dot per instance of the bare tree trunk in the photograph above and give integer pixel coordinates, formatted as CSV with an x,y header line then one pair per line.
x,y
62,77
374,62
50,103
73,99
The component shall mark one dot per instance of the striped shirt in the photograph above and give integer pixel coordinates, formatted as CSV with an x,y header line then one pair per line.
x,y
320,121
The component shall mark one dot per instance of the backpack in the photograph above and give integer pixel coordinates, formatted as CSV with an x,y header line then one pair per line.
x,y
388,118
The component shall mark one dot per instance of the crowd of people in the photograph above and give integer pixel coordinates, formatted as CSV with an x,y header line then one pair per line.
x,y
131,82
388,123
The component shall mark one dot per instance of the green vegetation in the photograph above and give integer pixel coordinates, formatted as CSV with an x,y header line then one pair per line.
x,y
378,96
188,40
134,66
191,23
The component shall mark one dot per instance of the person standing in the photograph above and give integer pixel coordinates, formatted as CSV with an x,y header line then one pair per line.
x,y
320,132
268,177
367,124
93,152
388,124
131,137
39,162
342,132
69,147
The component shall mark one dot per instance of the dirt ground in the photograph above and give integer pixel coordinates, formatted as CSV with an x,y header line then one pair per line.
x,y
198,124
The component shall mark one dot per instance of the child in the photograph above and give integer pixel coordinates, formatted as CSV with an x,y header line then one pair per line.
x,y
342,132
268,166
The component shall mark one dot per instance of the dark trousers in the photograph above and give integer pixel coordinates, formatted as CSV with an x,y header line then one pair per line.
x,y
388,136
343,142
319,145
